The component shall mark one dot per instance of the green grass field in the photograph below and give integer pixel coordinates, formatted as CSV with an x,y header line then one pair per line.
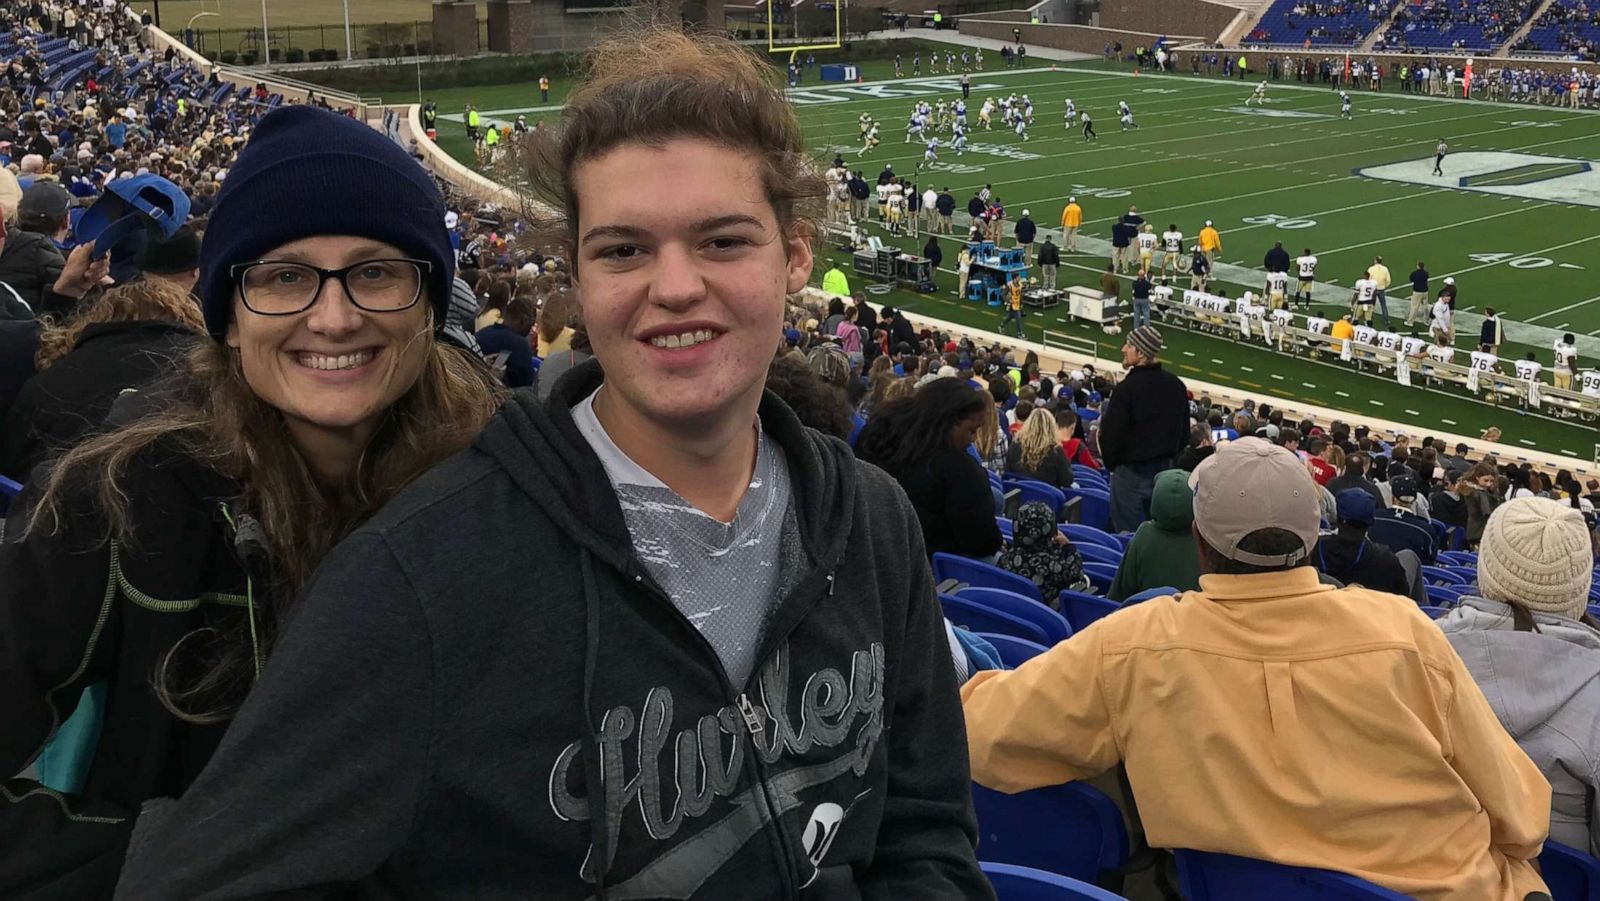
x,y
1516,218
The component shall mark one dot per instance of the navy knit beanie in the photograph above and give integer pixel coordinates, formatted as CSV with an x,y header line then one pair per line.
x,y
308,172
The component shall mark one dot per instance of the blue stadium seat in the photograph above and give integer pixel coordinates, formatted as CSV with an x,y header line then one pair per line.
x,y
1570,874
1082,609
1438,575
1094,506
1100,554
1206,876
1055,626
980,617
8,492
1101,574
980,574
1034,490
1458,558
1470,573
1435,612
1013,651
1124,538
1443,595
1081,535
1024,884
1071,830
1149,593
1007,528
1594,610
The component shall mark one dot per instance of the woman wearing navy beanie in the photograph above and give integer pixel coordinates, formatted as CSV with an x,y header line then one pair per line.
x,y
146,574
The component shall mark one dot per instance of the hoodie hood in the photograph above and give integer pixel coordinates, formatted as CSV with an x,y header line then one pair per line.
x,y
1172,501
1528,677
571,485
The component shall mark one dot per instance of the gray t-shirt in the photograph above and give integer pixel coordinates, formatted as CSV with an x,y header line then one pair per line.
x,y
724,577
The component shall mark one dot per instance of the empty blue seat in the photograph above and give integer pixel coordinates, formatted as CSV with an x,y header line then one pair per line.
x,y
1206,876
1082,609
1570,874
1149,593
1055,626
1458,558
1469,573
1082,534
1101,574
1100,554
980,574
1026,884
1435,612
1034,490
1094,506
1013,651
977,616
1438,575
1071,830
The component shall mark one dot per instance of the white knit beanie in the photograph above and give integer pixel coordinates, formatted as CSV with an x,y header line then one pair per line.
x,y
1535,552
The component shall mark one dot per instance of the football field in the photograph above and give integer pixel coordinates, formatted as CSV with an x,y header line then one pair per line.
x,y
1515,216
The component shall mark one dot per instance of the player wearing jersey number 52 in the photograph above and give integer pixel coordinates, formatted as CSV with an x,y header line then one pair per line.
x,y
632,711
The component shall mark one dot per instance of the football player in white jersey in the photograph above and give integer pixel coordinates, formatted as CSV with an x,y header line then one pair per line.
x,y
1027,109
930,153
866,123
1277,290
1171,249
1072,113
959,142
986,113
1125,115
1344,105
871,140
1259,97
1146,242
961,113
1022,127
1306,266
1362,299
1566,361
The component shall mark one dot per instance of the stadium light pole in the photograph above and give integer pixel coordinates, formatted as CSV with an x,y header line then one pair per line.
x,y
349,48
266,43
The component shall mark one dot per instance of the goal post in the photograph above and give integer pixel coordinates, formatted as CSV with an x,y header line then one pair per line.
x,y
809,21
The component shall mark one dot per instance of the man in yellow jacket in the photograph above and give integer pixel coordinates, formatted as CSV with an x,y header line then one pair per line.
x,y
1271,716
1210,243
1071,221
835,284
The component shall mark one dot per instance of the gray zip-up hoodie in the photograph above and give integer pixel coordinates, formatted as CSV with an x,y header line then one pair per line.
x,y
1545,688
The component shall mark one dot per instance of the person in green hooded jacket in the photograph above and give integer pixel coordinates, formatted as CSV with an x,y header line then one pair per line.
x,y
1162,551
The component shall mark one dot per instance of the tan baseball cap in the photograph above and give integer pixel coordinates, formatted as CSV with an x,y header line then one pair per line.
x,y
1252,484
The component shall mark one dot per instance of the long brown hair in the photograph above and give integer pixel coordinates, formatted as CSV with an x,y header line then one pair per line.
x,y
208,412
145,299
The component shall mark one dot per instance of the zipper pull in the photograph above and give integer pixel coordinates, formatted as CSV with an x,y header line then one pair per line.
x,y
830,585
752,719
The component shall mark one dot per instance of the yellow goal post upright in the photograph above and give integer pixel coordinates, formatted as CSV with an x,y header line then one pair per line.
x,y
802,41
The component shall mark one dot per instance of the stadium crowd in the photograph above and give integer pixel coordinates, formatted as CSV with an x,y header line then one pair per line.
x,y
297,451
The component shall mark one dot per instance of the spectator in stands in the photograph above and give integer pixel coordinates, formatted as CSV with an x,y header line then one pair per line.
x,y
1446,504
1201,446
232,482
122,340
584,484
922,441
1145,427
1533,648
175,260
1480,490
1036,451
1162,552
29,261
1397,527
1338,756
815,402
1351,556
1040,553
1355,476
509,336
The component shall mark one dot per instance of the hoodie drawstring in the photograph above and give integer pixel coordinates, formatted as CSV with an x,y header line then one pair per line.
x,y
593,772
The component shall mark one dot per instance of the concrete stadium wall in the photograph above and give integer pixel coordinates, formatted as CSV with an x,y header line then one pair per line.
x,y
1169,16
1077,38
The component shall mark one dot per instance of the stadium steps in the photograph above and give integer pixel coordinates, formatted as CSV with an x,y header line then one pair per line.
x,y
1520,33
1371,40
